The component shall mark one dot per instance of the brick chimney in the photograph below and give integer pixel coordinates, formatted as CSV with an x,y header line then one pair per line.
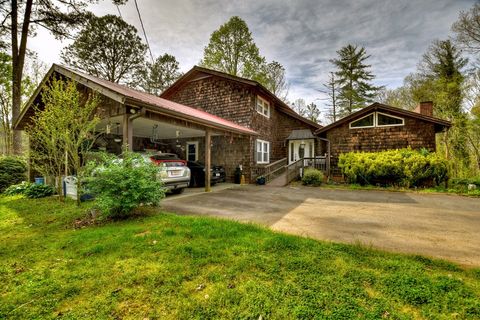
x,y
425,108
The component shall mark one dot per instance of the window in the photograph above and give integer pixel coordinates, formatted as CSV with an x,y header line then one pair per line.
x,y
263,107
365,122
192,151
377,119
263,151
386,120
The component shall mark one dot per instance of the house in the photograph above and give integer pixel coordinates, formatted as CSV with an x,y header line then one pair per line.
x,y
205,116
220,119
381,127
140,121
283,135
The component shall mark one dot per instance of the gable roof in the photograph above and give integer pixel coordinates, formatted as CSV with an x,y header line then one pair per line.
x,y
439,123
282,106
129,96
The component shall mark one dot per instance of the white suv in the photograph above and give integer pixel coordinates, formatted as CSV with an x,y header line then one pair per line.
x,y
174,172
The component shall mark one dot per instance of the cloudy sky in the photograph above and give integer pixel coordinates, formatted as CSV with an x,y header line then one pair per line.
x,y
303,35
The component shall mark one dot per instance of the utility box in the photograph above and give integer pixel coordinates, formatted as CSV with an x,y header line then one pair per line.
x,y
70,187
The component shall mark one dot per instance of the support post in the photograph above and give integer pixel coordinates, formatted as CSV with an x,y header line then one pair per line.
x,y
127,132
208,149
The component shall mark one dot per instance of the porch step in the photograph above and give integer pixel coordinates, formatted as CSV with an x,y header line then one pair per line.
x,y
279,181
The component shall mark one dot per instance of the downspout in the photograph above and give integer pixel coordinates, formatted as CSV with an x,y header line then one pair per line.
x,y
328,158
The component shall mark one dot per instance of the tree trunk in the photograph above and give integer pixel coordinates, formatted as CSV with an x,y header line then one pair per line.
x,y
18,61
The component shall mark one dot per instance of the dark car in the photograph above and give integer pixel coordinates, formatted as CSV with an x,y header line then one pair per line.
x,y
221,170
197,174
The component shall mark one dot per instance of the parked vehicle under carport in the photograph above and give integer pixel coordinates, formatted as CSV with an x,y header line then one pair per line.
x,y
174,172
197,171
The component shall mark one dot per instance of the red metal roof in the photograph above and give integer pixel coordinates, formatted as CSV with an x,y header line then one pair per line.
x,y
132,96
162,103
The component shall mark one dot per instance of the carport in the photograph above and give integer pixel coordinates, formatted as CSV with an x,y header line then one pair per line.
x,y
133,116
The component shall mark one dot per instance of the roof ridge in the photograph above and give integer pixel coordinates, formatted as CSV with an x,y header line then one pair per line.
x,y
286,108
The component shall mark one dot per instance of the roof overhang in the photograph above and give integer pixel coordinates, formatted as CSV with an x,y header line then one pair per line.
x,y
303,134
131,97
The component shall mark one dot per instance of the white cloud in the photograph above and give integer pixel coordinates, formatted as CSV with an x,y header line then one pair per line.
x,y
302,35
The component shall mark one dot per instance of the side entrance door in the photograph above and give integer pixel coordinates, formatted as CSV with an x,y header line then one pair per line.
x,y
298,149
192,151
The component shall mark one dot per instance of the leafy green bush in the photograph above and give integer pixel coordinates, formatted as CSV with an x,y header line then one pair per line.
x,y
404,167
17,188
122,185
30,190
312,177
35,191
12,171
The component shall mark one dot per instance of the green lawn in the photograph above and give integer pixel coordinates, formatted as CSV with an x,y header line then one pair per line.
x,y
164,266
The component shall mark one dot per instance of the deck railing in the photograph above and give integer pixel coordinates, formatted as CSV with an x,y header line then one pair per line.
x,y
295,169
319,163
274,169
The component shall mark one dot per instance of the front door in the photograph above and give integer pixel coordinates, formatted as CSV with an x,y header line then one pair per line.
x,y
298,149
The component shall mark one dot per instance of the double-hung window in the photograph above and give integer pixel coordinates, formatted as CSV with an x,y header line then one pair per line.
x,y
263,107
263,151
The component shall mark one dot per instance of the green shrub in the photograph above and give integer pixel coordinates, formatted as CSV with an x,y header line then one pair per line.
x,y
312,177
35,191
464,182
12,171
122,185
404,167
17,188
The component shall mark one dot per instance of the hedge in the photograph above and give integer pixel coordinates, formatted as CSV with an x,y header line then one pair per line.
x,y
404,167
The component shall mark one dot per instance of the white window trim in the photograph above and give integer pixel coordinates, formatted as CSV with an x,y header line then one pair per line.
x,y
389,125
267,115
368,115
262,142
375,121
196,149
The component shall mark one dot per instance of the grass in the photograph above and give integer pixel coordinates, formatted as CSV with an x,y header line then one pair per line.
x,y
163,266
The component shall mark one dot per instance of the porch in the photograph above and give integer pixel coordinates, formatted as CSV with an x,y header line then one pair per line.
x,y
280,173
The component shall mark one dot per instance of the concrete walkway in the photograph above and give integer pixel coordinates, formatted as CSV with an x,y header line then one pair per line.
x,y
441,226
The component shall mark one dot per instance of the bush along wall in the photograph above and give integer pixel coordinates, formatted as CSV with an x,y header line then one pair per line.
x,y
404,167
12,171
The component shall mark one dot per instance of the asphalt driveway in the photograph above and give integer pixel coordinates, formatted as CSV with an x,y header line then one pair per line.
x,y
442,226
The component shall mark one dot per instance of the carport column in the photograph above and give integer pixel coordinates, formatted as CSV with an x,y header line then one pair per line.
x,y
127,131
208,147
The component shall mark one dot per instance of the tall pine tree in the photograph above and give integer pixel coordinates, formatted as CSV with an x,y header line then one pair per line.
x,y
232,50
440,78
354,79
